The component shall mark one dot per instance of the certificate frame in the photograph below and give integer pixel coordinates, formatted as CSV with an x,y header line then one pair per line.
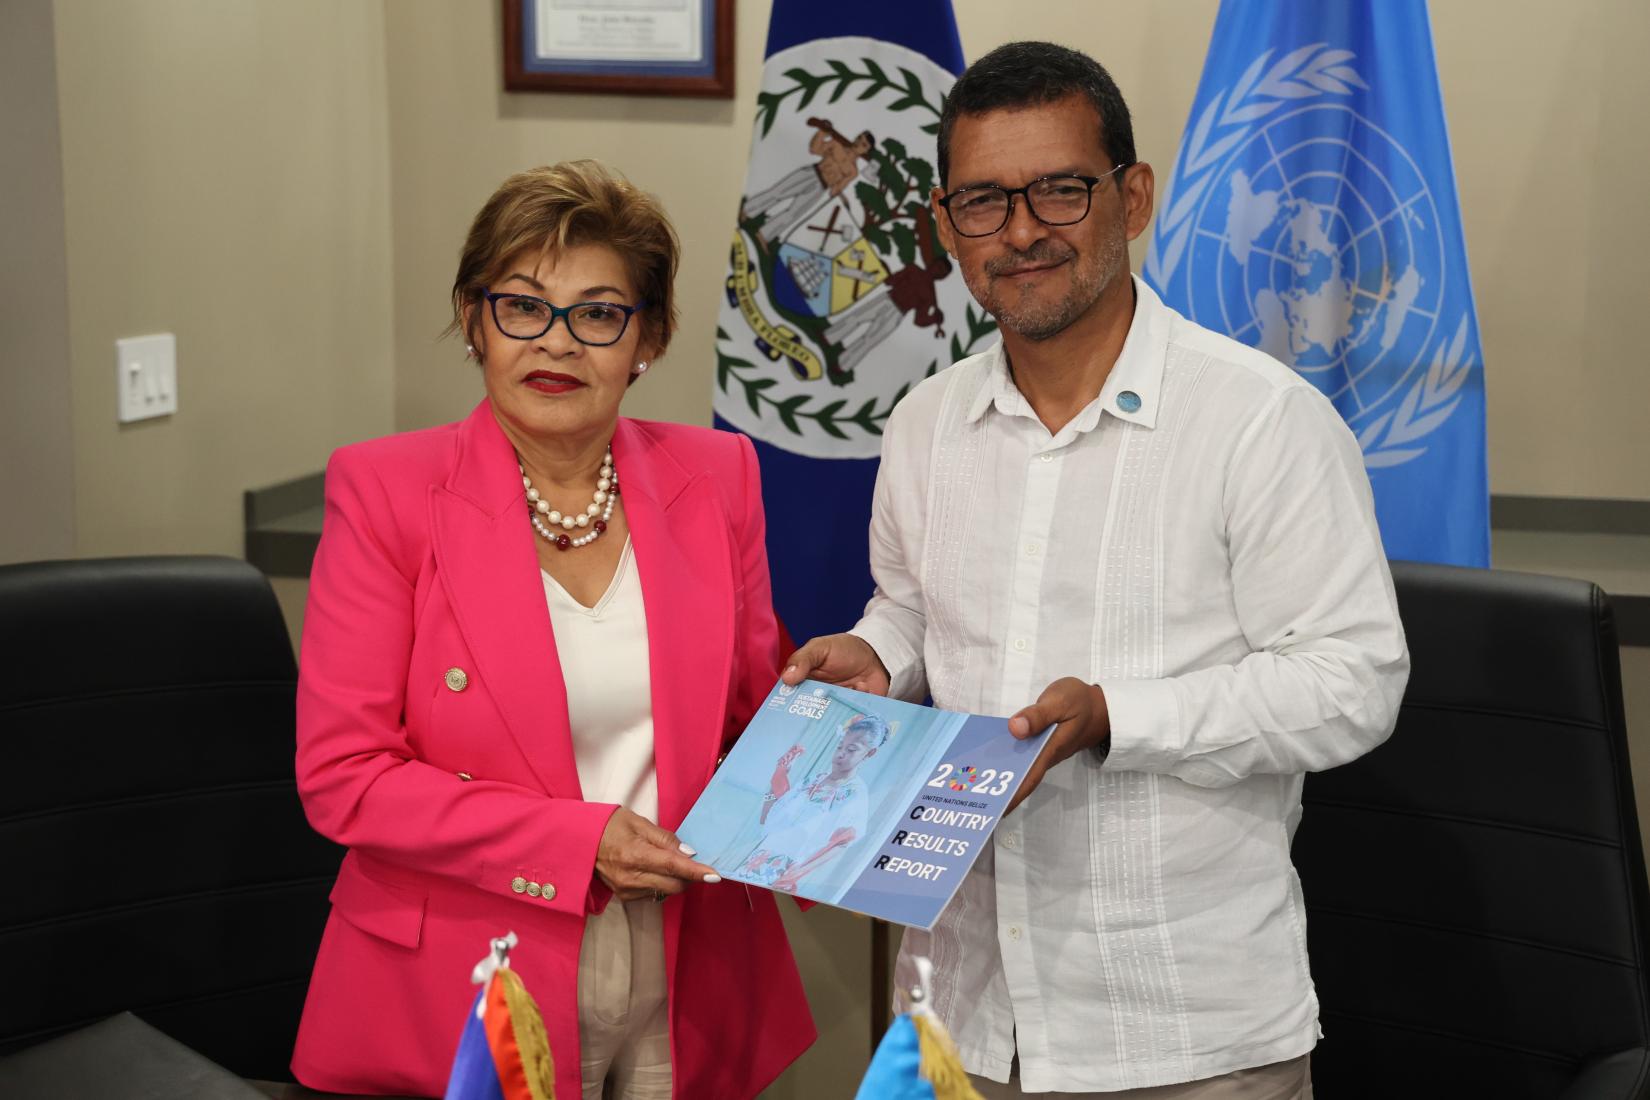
x,y
709,76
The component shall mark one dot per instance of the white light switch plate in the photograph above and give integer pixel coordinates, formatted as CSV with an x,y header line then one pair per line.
x,y
147,376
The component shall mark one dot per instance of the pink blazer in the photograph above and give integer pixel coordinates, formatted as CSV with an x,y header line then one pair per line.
x,y
426,564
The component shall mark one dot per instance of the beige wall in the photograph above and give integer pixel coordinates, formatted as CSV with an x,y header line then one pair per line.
x,y
454,136
36,433
229,166
1551,150
228,169
225,178
1549,155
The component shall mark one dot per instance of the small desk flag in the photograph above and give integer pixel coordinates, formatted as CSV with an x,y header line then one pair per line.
x,y
503,1053
839,297
1312,213
916,1059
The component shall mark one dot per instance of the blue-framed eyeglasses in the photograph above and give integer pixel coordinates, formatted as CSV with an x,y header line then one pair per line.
x,y
526,317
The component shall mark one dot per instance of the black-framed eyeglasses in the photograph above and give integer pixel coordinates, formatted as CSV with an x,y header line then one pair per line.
x,y
526,317
1053,200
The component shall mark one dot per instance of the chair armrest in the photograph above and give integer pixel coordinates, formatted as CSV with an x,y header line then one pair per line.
x,y
1624,1075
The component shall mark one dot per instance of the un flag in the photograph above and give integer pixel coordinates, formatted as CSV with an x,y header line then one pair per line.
x,y
1312,213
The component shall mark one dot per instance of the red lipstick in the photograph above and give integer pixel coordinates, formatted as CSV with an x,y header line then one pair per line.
x,y
545,381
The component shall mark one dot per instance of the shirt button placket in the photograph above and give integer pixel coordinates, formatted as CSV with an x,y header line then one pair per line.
x,y
1026,580
1027,560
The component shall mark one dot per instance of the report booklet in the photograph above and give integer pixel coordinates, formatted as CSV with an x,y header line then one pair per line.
x,y
857,801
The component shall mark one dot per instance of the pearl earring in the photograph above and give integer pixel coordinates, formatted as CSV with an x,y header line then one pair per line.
x,y
641,368
469,351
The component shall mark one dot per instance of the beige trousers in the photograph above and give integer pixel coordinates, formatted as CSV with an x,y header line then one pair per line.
x,y
624,1018
1291,1080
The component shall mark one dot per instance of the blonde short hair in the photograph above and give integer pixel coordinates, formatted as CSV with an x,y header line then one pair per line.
x,y
562,206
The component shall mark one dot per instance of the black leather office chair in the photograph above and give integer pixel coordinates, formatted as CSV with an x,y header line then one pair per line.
x,y
155,855
1475,888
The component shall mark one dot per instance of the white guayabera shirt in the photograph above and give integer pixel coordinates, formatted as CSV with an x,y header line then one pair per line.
x,y
1200,542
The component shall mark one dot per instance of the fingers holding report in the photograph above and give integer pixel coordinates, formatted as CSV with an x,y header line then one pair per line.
x,y
844,659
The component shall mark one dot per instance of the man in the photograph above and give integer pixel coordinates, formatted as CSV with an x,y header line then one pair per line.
x,y
1172,532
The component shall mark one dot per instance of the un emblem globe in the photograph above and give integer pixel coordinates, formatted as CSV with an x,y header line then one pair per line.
x,y
1319,243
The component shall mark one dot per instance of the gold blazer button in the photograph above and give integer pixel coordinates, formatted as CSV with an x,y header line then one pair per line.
x,y
518,884
457,679
532,889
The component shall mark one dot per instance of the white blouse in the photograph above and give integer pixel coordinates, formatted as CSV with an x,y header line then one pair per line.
x,y
604,661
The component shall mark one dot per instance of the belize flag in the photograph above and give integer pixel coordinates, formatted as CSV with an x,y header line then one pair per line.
x,y
503,1052
839,297
1312,213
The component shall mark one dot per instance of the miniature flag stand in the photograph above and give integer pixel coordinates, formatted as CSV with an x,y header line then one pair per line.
x,y
916,1059
503,1053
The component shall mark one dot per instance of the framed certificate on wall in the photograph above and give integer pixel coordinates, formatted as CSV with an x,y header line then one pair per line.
x,y
639,47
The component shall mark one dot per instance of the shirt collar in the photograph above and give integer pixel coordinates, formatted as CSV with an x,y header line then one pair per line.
x,y
1133,389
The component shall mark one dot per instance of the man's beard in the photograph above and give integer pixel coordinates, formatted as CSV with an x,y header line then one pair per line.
x,y
1039,321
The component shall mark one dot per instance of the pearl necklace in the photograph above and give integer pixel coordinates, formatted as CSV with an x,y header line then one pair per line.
x,y
545,517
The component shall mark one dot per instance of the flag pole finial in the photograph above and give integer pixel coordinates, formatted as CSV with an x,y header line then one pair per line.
x,y
921,993
498,958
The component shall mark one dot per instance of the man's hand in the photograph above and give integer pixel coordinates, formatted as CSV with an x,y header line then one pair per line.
x,y
844,659
637,859
1078,713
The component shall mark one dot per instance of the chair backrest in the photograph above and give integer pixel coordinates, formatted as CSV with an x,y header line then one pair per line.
x,y
1475,888
156,856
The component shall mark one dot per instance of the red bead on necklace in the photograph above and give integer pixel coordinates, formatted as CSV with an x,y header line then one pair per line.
x,y
546,520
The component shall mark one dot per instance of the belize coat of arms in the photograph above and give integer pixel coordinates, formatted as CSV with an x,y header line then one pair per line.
x,y
839,297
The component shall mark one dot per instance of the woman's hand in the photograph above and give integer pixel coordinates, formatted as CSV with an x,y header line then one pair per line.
x,y
637,859
844,659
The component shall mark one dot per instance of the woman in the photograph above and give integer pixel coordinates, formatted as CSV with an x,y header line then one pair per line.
x,y
530,635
